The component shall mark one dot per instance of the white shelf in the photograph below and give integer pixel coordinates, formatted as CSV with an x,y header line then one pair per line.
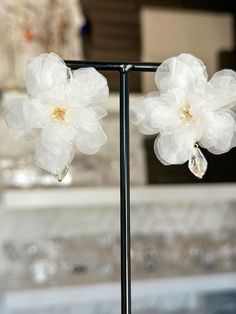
x,y
175,290
107,196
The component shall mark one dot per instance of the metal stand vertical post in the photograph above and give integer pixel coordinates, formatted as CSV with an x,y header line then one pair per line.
x,y
125,192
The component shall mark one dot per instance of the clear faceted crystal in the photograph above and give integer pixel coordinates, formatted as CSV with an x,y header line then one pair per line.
x,y
197,163
61,174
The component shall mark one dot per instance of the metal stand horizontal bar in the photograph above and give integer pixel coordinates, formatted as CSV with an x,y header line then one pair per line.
x,y
114,66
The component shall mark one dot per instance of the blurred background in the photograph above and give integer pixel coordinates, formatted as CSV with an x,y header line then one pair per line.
x,y
59,242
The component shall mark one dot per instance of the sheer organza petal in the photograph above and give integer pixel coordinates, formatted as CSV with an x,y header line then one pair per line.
x,y
225,79
100,111
199,100
167,114
57,133
55,159
174,98
219,130
184,71
88,86
223,88
84,118
90,142
13,114
175,147
53,96
141,114
164,118
35,113
44,71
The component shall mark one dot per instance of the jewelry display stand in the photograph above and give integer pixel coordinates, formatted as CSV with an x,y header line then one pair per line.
x,y
123,68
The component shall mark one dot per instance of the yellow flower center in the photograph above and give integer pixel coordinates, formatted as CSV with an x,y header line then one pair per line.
x,y
185,114
59,114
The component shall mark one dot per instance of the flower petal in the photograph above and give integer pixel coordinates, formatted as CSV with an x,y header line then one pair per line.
x,y
35,113
14,117
44,71
141,114
54,158
90,135
219,131
184,71
85,118
100,111
57,133
90,142
165,119
175,147
155,114
224,89
167,114
88,86
174,98
53,97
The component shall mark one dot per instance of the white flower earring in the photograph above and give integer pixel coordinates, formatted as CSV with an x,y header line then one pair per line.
x,y
62,112
189,112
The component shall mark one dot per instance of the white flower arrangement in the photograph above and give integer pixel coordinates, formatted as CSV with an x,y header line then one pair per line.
x,y
62,112
189,111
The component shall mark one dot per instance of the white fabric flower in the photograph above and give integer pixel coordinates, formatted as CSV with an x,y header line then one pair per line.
x,y
63,112
188,110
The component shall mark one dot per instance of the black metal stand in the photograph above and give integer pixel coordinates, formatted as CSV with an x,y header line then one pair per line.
x,y
123,68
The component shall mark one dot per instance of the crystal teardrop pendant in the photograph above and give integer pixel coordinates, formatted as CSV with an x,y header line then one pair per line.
x,y
61,174
197,163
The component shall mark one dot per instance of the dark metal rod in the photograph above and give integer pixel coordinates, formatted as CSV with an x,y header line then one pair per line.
x,y
114,66
125,193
